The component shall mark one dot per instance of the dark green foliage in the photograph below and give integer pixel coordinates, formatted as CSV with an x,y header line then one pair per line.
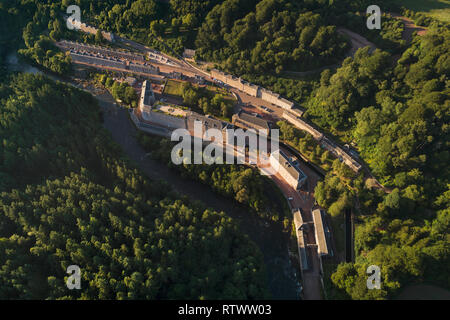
x,y
293,89
148,21
44,53
192,11
39,123
403,135
121,91
272,36
397,113
78,202
12,20
350,88
407,135
128,243
388,38
243,184
407,250
37,24
421,19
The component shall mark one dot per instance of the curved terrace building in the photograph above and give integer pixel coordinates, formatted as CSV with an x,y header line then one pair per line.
x,y
289,170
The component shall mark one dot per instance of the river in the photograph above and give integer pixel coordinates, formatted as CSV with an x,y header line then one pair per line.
x,y
13,64
273,243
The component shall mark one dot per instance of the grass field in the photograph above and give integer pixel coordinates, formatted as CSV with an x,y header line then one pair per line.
x,y
438,9
174,88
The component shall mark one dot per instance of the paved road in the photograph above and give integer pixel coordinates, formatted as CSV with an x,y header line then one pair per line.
x,y
305,200
282,280
124,135
262,114
269,238
181,63
410,27
357,41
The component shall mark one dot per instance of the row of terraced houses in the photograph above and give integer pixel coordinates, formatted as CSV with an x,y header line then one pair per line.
x,y
252,89
290,114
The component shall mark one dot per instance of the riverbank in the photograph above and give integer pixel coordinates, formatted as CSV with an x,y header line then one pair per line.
x,y
272,241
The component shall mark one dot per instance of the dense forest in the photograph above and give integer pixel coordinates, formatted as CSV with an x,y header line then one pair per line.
x,y
246,36
242,36
398,116
306,144
351,87
32,26
268,36
392,104
239,182
68,197
399,119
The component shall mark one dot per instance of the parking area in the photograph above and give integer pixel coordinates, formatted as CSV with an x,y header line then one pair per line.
x,y
257,111
274,111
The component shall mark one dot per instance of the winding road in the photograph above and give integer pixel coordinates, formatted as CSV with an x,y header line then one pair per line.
x,y
281,275
270,239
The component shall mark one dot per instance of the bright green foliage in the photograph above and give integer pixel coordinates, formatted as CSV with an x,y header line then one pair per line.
x,y
267,36
119,90
350,88
402,133
76,201
207,102
305,143
409,128
28,22
245,185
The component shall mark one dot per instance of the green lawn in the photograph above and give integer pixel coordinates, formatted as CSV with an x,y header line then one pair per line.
x,y
438,9
174,88
215,90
